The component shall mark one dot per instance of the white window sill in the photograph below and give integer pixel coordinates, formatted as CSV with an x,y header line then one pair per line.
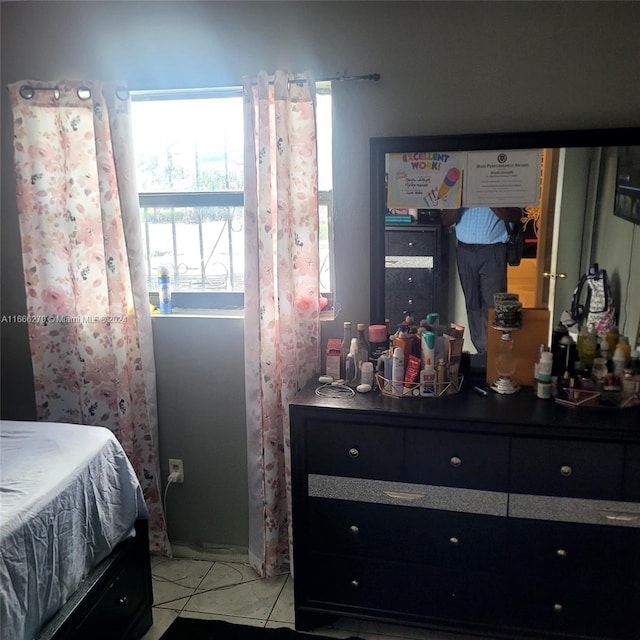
x,y
201,313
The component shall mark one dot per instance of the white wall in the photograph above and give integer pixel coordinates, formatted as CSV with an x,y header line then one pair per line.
x,y
446,67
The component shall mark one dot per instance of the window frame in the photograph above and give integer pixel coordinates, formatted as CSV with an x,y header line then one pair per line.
x,y
214,302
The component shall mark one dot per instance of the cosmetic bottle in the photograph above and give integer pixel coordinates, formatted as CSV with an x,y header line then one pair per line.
x,y
352,365
164,289
344,350
397,371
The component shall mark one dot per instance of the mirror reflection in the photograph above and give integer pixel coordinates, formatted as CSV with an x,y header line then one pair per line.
x,y
439,207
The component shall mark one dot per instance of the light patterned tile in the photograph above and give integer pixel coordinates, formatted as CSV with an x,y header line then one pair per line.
x,y
226,594
228,573
185,572
174,580
283,609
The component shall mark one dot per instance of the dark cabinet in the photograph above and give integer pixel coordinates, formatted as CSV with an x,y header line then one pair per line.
x,y
416,272
525,527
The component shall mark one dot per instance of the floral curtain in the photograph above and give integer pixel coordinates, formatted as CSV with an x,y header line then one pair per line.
x,y
281,294
90,325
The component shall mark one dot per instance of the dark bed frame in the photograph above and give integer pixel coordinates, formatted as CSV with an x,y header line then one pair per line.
x,y
114,601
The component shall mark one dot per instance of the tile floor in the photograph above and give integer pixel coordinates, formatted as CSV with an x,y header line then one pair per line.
x,y
232,591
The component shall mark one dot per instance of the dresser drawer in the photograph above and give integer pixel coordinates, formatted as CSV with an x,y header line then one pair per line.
x,y
424,536
581,608
567,468
403,588
572,552
408,281
402,304
412,242
457,459
357,451
111,617
631,484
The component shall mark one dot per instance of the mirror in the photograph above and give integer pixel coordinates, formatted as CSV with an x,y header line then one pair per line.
x,y
579,199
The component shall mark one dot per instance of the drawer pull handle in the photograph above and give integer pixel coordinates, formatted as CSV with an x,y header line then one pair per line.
x,y
355,584
410,244
565,470
403,495
561,553
557,608
123,601
620,516
455,461
353,452
353,530
454,540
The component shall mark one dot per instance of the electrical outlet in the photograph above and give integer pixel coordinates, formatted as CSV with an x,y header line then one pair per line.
x,y
175,466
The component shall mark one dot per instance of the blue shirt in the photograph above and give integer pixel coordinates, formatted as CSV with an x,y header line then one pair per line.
x,y
479,225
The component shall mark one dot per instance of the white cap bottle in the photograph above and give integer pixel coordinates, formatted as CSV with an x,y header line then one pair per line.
x,y
397,371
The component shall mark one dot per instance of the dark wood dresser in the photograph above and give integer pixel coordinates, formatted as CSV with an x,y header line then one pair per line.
x,y
503,516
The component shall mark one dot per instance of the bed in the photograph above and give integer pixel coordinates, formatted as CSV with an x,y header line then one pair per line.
x,y
74,552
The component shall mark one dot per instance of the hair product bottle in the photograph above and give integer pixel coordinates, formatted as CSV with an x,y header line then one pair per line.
x,y
397,371
346,345
164,289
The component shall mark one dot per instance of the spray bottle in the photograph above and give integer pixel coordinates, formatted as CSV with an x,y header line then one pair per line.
x,y
164,289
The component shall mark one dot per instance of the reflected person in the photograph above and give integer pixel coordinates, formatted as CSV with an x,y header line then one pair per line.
x,y
481,256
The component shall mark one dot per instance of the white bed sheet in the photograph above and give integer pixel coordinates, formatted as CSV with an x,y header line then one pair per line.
x,y
68,496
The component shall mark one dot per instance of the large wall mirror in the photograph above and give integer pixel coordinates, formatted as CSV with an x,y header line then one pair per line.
x,y
580,185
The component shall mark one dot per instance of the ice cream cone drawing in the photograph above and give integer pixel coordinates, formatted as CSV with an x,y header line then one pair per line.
x,y
453,175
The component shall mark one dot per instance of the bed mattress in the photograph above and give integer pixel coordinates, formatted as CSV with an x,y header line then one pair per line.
x,y
68,496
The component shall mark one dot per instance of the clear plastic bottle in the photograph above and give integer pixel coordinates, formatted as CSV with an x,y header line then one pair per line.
x,y
544,375
623,343
536,366
352,365
344,349
363,345
618,360
612,338
587,346
397,371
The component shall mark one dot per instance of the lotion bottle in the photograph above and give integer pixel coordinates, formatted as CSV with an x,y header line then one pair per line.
x,y
351,366
397,371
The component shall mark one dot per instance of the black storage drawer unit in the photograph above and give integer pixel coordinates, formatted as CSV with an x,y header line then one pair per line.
x,y
416,264
431,513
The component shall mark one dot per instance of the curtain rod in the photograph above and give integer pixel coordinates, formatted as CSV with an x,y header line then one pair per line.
x,y
27,91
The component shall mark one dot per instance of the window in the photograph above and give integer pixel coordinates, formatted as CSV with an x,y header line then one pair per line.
x,y
189,158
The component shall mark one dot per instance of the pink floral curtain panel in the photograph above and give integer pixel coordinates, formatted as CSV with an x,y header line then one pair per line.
x,y
86,292
281,294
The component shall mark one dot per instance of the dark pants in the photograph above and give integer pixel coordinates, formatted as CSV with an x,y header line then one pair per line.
x,y
483,272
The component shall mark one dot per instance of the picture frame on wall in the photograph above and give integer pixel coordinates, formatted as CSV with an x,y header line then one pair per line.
x,y
627,200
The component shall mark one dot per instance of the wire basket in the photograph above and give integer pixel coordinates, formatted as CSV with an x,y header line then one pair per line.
x,y
413,390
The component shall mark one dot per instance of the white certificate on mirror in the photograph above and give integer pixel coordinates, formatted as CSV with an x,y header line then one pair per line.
x,y
502,178
424,180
